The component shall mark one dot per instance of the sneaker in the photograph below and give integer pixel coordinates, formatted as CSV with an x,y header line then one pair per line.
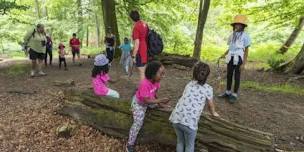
x,y
41,73
130,148
32,73
224,95
65,69
233,98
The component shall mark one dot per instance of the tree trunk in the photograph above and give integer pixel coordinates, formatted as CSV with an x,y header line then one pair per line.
x,y
88,33
109,18
97,22
177,59
113,117
203,12
44,10
80,30
292,37
298,65
38,11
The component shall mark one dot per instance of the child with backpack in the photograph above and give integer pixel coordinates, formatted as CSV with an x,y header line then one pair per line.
x,y
62,54
126,59
100,77
187,112
236,56
144,96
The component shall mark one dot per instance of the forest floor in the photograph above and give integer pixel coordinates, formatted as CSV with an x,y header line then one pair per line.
x,y
28,119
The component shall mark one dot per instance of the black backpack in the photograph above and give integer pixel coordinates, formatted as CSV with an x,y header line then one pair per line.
x,y
155,43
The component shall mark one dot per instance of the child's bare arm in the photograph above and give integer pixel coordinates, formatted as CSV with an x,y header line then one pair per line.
x,y
163,100
212,108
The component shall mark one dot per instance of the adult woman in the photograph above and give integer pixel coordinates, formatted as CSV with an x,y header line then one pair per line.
x,y
139,35
35,41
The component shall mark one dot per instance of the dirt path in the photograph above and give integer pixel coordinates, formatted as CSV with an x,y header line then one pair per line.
x,y
28,122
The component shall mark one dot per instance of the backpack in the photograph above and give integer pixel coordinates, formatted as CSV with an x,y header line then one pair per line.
x,y
155,43
25,44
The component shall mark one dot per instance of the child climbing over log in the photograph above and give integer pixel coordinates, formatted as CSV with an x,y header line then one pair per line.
x,y
144,96
100,77
188,110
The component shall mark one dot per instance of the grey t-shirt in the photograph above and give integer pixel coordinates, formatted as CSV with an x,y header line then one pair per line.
x,y
190,106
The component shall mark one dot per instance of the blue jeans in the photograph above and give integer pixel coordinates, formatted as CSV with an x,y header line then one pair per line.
x,y
185,138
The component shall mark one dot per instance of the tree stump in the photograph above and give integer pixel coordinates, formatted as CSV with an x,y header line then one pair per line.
x,y
113,117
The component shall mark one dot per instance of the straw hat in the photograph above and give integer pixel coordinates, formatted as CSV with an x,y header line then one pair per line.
x,y
241,19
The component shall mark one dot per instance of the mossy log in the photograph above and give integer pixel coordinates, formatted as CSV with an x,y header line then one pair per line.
x,y
67,83
170,59
113,117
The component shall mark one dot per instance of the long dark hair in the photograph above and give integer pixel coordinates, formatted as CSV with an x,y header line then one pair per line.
x,y
100,70
235,36
201,72
151,69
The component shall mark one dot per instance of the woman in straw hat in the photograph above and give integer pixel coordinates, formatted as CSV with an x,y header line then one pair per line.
x,y
236,56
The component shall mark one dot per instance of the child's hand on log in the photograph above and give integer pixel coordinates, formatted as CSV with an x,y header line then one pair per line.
x,y
164,100
215,114
164,106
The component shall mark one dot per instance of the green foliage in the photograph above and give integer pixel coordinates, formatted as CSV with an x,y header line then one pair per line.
x,y
7,5
281,88
91,50
276,60
17,69
175,20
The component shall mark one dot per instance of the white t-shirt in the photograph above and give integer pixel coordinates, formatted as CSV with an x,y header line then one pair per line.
x,y
190,106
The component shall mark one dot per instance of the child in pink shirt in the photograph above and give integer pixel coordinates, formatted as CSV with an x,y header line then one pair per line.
x,y
144,96
62,54
100,77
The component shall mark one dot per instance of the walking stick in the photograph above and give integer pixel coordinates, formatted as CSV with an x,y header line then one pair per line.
x,y
131,69
218,74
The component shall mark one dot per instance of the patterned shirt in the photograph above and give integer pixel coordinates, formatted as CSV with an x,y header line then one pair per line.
x,y
190,106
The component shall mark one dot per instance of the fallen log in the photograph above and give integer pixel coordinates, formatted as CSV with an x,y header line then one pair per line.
x,y
113,117
22,92
186,61
67,83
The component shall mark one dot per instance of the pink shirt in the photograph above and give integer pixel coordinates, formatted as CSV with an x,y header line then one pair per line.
x,y
61,52
146,89
100,84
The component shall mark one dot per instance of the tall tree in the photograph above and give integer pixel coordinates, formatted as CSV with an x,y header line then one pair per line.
x,y
44,10
80,21
284,48
203,12
88,33
97,24
109,18
298,66
38,11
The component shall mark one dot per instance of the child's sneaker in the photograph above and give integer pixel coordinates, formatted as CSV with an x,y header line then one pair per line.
x,y
226,94
233,98
41,73
32,73
130,148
